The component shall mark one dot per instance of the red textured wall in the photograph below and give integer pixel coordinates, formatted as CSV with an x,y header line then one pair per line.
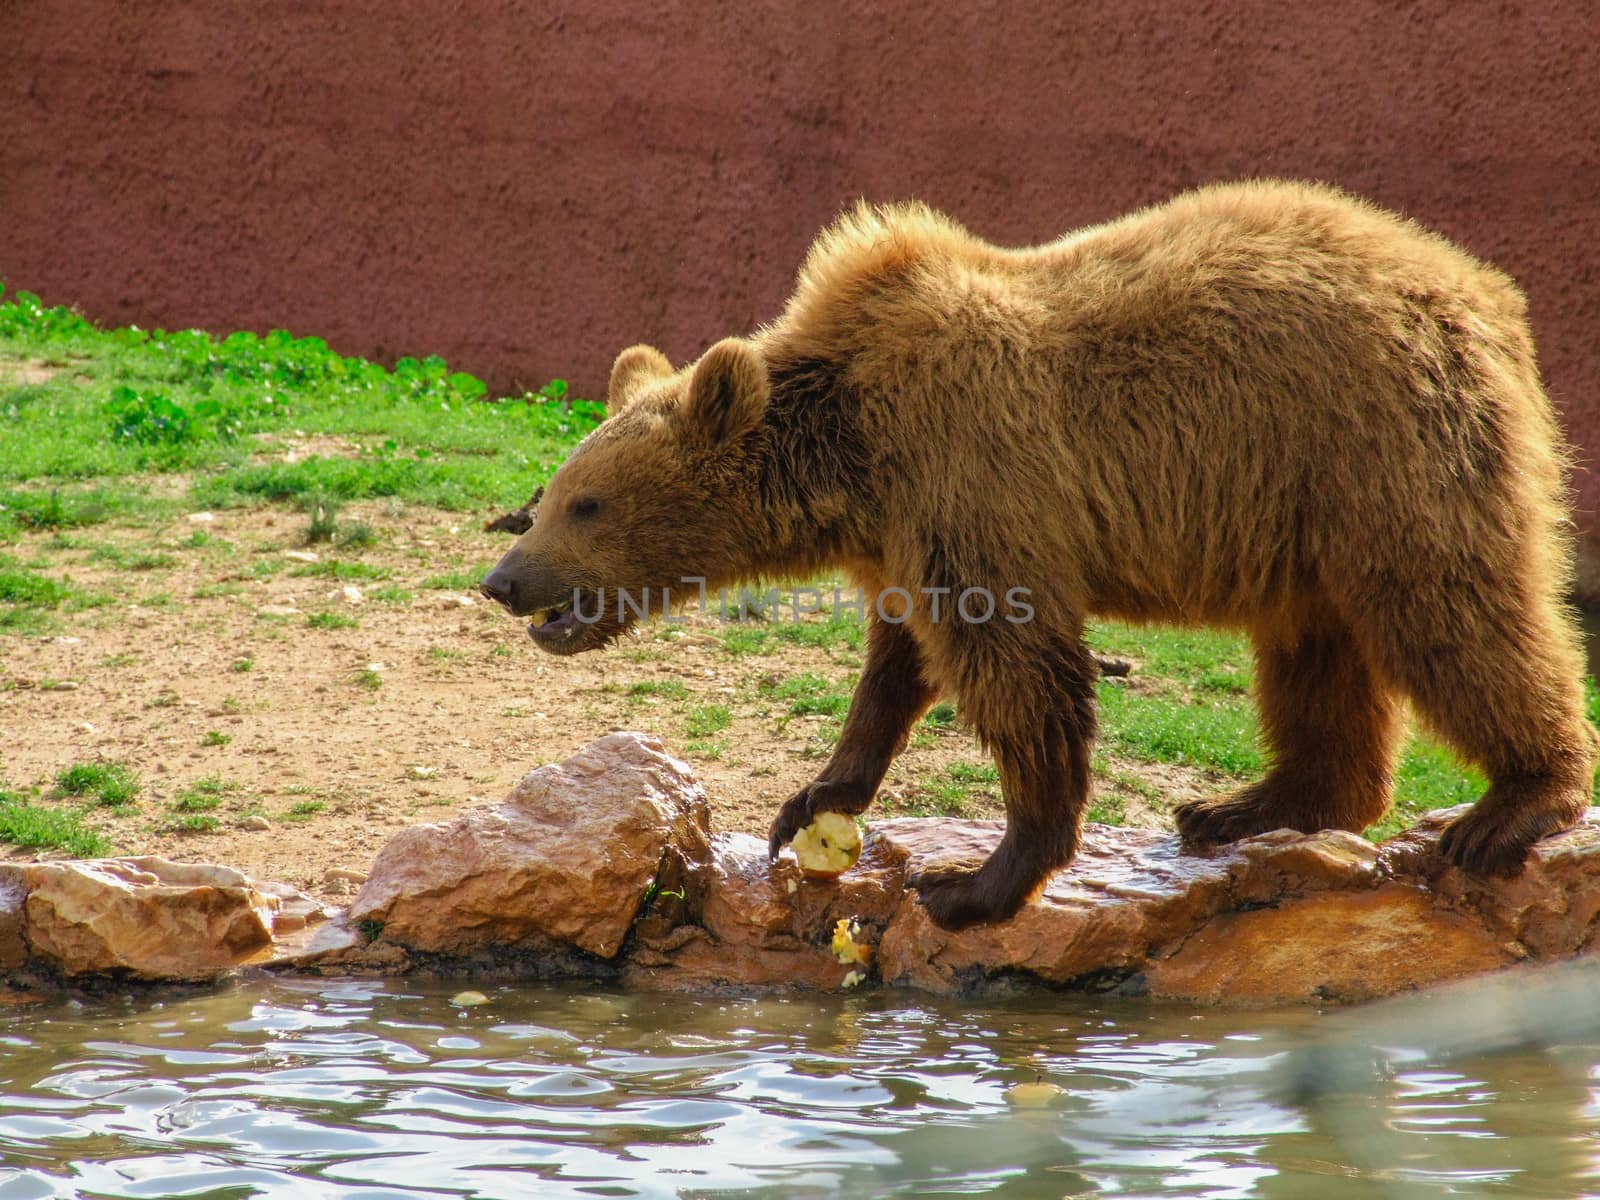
x,y
527,188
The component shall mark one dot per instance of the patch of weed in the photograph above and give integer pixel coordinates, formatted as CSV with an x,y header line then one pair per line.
x,y
203,795
108,783
195,823
670,689
304,810
37,827
464,580
810,694
331,620
706,719
335,568
1218,734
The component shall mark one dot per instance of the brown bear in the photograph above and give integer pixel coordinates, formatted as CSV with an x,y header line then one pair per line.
x,y
1267,406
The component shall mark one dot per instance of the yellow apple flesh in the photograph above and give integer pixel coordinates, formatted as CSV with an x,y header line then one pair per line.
x,y
828,846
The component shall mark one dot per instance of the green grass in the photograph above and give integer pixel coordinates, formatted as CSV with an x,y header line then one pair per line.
x,y
369,678
136,403
670,689
195,823
35,827
215,737
203,795
1193,711
1211,733
334,568
331,620
465,580
1199,659
304,810
29,600
108,783
706,719
810,694
837,633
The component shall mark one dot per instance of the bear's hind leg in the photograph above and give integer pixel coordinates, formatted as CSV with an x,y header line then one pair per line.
x,y
1503,685
1331,729
1040,730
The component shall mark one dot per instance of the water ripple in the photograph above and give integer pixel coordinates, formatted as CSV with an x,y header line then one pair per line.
x,y
363,1091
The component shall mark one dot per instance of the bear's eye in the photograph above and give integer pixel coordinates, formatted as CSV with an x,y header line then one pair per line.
x,y
587,507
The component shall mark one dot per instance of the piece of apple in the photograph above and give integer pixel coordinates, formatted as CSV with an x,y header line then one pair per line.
x,y
828,846
1037,1094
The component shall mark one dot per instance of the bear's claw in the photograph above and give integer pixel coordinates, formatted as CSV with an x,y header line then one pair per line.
x,y
818,796
1215,822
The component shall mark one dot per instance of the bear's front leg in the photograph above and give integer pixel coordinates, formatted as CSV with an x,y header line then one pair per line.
x,y
891,696
1041,734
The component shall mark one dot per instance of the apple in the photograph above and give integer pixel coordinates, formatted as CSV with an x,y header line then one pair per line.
x,y
828,846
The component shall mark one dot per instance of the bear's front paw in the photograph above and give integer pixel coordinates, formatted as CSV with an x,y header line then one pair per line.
x,y
958,897
1216,822
818,796
1484,846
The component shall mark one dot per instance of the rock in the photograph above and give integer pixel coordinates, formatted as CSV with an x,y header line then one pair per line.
x,y
1343,946
351,594
304,556
278,610
201,518
145,917
13,895
564,861
1277,918
755,931
255,823
604,865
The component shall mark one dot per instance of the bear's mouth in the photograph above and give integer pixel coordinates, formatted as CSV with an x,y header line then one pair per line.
x,y
560,627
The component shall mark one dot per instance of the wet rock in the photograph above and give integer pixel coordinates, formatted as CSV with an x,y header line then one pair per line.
x,y
765,924
1284,917
1329,947
13,895
148,918
564,860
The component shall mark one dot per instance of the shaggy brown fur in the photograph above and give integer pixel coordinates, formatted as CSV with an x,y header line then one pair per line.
x,y
1267,406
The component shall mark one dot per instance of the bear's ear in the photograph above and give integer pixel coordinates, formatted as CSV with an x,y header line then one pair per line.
x,y
635,367
727,391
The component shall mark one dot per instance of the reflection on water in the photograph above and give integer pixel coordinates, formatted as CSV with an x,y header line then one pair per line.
x,y
366,1090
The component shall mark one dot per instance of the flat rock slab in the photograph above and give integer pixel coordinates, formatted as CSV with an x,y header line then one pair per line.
x,y
604,865
142,918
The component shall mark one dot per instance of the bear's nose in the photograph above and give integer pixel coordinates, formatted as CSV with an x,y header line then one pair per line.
x,y
499,586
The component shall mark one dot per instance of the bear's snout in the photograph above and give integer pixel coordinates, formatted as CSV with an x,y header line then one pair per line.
x,y
500,586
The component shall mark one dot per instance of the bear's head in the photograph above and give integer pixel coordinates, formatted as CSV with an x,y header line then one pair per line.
x,y
660,491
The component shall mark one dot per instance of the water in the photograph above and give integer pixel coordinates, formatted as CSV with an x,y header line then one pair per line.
x,y
313,1089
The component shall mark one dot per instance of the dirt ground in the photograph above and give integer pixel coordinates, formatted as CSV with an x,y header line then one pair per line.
x,y
326,741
